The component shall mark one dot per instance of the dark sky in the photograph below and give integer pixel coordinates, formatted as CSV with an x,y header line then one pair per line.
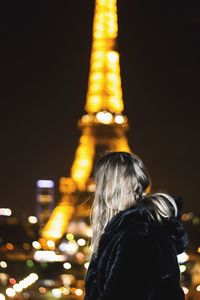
x,y
45,52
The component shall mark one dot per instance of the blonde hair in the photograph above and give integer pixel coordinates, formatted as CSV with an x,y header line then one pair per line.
x,y
121,180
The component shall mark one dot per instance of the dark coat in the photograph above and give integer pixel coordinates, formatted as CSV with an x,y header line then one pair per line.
x,y
137,258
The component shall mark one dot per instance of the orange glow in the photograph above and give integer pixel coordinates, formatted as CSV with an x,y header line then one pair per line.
x,y
104,86
104,106
57,224
9,246
122,145
83,162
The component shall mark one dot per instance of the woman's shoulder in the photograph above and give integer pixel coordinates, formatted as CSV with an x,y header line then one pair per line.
x,y
142,229
168,233
136,223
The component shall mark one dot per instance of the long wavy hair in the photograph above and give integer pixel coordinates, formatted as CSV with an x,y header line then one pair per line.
x,y
121,181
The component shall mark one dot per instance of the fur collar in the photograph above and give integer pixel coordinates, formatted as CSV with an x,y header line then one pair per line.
x,y
139,214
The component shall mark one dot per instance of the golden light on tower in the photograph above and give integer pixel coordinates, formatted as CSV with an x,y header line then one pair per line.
x,y
103,126
104,103
83,163
57,227
104,86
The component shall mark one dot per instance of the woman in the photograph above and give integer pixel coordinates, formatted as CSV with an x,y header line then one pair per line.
x,y
136,235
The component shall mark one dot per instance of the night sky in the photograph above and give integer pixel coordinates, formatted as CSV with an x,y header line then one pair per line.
x,y
45,53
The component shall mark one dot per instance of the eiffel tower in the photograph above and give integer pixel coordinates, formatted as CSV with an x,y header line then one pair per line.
x,y
103,126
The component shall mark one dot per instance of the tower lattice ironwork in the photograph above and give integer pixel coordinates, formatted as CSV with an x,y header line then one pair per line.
x,y
103,126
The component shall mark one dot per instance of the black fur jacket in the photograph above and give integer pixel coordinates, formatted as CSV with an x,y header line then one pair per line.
x,y
137,258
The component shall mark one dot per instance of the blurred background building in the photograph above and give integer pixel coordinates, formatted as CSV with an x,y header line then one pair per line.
x,y
44,201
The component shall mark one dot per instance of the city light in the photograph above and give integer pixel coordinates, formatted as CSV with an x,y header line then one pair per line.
x,y
3,278
65,290
3,264
10,292
48,256
51,244
89,232
70,236
81,242
57,293
17,287
9,246
86,265
12,280
36,245
78,292
198,288
71,247
45,183
182,268
7,212
32,219
185,290
183,257
27,281
42,290
26,246
67,266
29,263
67,279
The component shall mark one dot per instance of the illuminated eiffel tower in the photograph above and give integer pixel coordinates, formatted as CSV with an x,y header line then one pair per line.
x,y
103,127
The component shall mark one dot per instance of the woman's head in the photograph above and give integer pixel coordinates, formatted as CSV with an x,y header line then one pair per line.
x,y
121,180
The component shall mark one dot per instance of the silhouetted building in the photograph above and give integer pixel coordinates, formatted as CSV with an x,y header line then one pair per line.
x,y
44,201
